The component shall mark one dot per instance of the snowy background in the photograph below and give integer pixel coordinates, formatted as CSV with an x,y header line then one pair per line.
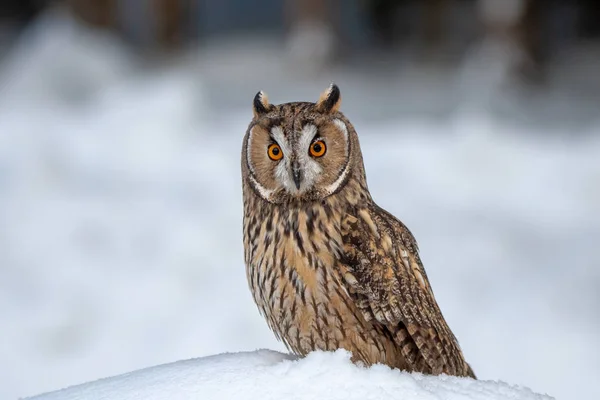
x,y
120,205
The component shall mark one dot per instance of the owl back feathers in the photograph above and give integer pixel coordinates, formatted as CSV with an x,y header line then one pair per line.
x,y
385,277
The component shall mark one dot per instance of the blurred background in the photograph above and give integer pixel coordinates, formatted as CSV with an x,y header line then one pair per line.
x,y
120,203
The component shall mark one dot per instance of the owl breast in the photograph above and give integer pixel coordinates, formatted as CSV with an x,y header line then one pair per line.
x,y
291,258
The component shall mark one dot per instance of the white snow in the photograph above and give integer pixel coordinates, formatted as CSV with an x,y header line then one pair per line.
x,y
265,375
120,217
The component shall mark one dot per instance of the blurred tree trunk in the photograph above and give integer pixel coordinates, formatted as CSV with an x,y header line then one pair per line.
x,y
98,13
312,31
21,11
169,19
148,24
529,31
519,24
435,12
383,18
589,18
318,12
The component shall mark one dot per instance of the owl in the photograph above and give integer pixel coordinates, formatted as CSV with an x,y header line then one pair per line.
x,y
327,267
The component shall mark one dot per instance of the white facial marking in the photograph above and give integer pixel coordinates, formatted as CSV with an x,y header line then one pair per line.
x,y
277,134
264,192
282,174
249,150
333,187
310,168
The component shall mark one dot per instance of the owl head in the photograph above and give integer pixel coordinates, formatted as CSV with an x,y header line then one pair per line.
x,y
299,151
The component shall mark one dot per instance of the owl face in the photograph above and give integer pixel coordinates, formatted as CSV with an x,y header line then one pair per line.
x,y
297,151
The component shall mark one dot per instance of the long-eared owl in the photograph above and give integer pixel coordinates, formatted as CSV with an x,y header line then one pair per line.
x,y
327,267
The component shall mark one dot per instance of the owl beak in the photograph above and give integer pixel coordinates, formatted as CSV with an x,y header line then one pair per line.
x,y
297,174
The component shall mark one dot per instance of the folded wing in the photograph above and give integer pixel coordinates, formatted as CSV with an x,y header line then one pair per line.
x,y
385,277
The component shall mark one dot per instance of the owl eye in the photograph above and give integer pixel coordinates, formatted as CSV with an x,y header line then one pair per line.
x,y
274,152
317,149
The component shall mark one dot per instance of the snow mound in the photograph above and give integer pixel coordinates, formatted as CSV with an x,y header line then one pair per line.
x,y
266,374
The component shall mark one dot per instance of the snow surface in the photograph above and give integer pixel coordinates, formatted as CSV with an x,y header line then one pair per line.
x,y
120,212
264,375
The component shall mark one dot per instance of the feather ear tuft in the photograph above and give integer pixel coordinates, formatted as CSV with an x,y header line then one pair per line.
x,y
261,104
330,100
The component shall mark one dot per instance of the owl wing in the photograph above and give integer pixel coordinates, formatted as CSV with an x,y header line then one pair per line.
x,y
384,275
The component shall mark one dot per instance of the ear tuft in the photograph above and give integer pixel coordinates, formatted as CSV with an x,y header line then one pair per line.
x,y
261,104
330,100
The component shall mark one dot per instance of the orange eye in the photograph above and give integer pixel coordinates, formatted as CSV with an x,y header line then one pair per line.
x,y
317,149
274,152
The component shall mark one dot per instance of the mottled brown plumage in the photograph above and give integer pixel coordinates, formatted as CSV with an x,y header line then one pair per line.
x,y
327,267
